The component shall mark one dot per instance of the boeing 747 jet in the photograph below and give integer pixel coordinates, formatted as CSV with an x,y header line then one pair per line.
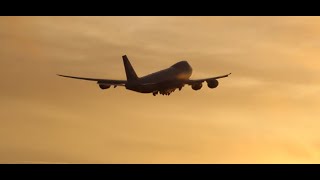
x,y
162,82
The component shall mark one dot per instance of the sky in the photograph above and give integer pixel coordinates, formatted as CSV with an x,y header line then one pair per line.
x,y
267,111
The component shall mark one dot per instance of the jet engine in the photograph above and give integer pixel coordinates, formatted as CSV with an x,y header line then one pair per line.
x,y
197,86
212,83
104,86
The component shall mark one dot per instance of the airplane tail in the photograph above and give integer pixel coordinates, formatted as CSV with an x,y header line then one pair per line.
x,y
130,73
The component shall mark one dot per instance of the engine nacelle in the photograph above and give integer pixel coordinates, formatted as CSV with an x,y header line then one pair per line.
x,y
212,83
197,86
104,86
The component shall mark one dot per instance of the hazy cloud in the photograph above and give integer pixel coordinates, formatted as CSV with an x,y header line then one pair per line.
x,y
266,111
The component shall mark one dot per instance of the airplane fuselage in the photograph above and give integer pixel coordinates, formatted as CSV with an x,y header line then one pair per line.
x,y
164,81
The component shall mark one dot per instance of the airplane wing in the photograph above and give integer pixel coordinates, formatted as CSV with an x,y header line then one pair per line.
x,y
105,81
190,82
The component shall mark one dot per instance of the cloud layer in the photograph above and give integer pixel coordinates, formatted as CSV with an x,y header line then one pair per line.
x,y
265,112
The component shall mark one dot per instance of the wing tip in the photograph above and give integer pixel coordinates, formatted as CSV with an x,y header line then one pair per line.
x,y
60,75
65,76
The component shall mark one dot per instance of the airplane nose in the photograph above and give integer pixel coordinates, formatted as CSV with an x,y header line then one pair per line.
x,y
182,65
187,67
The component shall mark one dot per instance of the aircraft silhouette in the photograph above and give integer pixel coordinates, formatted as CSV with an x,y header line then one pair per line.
x,y
163,82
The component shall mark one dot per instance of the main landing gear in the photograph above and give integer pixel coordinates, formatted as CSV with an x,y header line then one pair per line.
x,y
166,92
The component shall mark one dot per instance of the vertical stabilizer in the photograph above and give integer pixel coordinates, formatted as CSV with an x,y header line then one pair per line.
x,y
130,73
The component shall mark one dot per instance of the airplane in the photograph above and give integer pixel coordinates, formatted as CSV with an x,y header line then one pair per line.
x,y
162,82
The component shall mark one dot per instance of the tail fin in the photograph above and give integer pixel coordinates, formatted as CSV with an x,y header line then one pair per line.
x,y
131,74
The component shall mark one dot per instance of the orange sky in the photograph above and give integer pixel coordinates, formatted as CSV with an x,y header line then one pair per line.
x,y
267,111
